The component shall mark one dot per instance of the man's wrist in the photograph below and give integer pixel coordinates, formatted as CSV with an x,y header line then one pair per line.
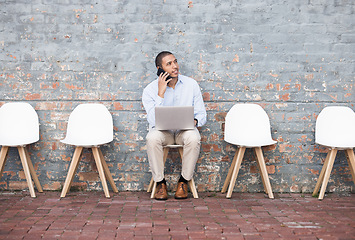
x,y
159,100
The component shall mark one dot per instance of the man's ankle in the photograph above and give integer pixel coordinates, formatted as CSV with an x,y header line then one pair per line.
x,y
162,181
182,179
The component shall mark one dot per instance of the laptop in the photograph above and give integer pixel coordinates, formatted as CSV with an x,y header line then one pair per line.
x,y
174,118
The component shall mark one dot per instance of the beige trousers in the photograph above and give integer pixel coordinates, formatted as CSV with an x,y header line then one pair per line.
x,y
156,140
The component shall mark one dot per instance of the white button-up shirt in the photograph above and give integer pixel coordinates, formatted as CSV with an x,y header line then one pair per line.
x,y
186,93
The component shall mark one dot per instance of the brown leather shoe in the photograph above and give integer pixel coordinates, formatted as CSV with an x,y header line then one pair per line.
x,y
181,191
161,193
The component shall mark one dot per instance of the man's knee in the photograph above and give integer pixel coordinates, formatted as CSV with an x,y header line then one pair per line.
x,y
192,138
153,137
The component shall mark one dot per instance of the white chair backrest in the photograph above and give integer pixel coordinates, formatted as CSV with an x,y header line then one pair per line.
x,y
89,124
18,124
248,125
335,127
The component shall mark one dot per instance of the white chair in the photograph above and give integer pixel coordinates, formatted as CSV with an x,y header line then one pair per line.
x,y
247,126
152,185
90,125
335,129
19,127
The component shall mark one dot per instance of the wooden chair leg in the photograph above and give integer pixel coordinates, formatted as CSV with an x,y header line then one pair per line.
x,y
321,175
3,155
101,170
72,169
235,171
181,152
150,187
230,171
33,172
75,171
26,169
154,190
107,172
262,165
193,188
350,156
328,170
262,175
165,154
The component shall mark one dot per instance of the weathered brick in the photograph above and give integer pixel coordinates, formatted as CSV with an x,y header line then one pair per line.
x,y
291,59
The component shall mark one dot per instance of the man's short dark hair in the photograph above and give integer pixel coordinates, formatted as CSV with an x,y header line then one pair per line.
x,y
160,57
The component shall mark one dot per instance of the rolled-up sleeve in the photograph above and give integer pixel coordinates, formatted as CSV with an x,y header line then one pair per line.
x,y
150,100
199,107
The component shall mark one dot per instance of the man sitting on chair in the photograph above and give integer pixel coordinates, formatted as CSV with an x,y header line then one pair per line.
x,y
178,90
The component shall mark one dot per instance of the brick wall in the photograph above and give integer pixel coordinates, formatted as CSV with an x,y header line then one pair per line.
x,y
293,59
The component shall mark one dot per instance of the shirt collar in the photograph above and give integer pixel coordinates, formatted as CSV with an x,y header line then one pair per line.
x,y
180,78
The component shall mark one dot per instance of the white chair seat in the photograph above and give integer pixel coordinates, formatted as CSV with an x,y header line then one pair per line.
x,y
335,127
254,144
19,124
89,125
83,144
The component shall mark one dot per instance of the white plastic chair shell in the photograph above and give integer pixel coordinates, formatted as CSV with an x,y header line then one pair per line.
x,y
89,124
19,124
248,125
335,127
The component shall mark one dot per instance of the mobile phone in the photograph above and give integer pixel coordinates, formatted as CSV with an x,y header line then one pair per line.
x,y
160,70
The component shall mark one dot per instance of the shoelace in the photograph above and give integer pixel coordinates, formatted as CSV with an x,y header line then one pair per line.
x,y
160,190
182,187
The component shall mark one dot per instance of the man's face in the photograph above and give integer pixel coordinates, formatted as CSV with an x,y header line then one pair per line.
x,y
170,65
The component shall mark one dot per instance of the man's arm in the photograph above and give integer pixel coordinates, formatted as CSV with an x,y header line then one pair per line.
x,y
162,84
154,96
199,107
150,100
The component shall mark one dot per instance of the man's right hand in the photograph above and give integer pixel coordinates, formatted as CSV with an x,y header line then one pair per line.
x,y
162,84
